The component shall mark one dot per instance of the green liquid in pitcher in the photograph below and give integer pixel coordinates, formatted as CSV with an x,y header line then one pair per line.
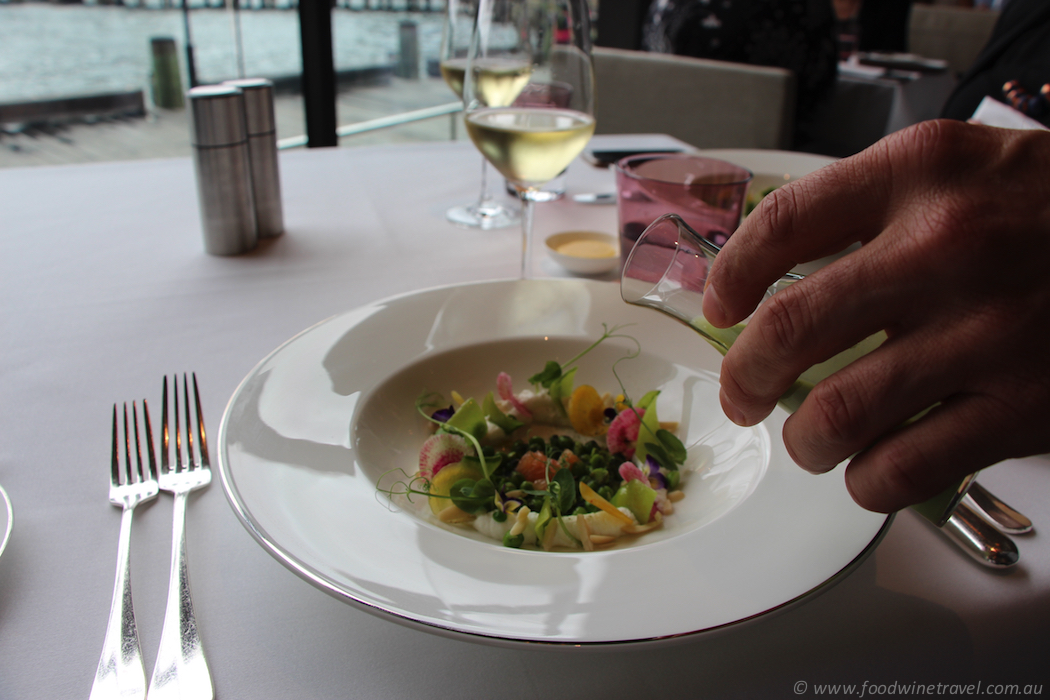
x,y
723,338
936,509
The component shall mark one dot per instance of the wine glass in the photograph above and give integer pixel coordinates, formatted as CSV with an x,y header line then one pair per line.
x,y
537,52
485,213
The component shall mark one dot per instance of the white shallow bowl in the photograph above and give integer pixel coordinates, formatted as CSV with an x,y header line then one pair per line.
x,y
313,428
580,265
7,519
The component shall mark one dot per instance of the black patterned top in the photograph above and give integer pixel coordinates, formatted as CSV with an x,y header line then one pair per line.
x,y
795,34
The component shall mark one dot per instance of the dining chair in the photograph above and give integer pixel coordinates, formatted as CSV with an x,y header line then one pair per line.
x,y
953,34
706,103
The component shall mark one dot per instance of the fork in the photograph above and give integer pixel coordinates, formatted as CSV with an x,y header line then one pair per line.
x,y
181,670
120,672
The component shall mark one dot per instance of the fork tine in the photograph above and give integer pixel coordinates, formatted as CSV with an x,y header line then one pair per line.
x,y
115,466
205,460
152,456
178,431
165,455
129,477
138,444
190,462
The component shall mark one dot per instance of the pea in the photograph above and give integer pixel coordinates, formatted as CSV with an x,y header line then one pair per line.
x,y
600,476
514,542
605,492
536,444
580,510
499,516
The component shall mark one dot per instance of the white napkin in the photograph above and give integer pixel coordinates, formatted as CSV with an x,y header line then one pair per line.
x,y
994,113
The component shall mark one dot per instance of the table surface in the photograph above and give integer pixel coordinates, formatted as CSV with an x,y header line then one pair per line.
x,y
106,287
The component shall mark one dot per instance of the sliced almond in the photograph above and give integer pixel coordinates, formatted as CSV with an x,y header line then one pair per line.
x,y
675,496
639,529
521,519
601,539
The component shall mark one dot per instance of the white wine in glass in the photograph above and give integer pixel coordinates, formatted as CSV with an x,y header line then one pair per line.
x,y
505,82
533,138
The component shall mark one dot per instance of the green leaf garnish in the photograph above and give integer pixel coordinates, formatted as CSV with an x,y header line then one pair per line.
x,y
468,418
543,518
472,496
657,452
675,449
563,489
551,373
507,423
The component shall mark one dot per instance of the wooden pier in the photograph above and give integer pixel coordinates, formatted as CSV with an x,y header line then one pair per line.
x,y
165,133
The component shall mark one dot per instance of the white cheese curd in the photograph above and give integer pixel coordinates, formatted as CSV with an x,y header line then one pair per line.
x,y
543,408
494,434
600,523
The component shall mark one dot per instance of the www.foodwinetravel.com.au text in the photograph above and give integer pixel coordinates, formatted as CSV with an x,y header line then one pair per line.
x,y
898,689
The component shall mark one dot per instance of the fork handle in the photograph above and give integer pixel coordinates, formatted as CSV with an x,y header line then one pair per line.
x,y
181,670
120,672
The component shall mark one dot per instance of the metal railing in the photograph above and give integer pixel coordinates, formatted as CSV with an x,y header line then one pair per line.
x,y
380,123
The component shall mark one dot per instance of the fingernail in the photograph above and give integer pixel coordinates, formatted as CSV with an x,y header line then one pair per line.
x,y
714,312
732,412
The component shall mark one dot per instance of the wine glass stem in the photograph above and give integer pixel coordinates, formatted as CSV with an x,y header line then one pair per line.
x,y
484,198
527,208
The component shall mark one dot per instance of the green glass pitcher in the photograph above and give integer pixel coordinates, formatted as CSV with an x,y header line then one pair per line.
x,y
667,270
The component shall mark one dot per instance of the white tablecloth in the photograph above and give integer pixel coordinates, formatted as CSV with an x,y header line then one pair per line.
x,y
106,287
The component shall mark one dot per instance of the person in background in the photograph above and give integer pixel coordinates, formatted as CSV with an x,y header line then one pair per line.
x,y
795,34
884,25
954,222
1013,67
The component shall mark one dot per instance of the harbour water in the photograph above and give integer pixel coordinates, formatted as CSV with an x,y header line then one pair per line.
x,y
50,51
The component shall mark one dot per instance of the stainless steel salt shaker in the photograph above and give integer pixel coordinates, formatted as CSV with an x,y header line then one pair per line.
x,y
262,146
224,183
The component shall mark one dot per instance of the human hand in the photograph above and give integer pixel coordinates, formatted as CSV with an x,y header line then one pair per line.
x,y
954,222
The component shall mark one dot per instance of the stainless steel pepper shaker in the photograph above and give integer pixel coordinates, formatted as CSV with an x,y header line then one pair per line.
x,y
224,183
262,146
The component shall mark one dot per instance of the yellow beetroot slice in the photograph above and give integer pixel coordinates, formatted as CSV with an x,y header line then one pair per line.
x,y
587,411
592,497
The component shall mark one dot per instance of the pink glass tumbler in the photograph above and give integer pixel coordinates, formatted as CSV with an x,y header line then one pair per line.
x,y
707,193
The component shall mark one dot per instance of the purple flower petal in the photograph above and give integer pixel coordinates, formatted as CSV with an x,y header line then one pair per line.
x,y
656,472
443,414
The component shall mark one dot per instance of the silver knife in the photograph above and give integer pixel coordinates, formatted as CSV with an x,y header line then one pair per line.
x,y
1001,515
979,539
